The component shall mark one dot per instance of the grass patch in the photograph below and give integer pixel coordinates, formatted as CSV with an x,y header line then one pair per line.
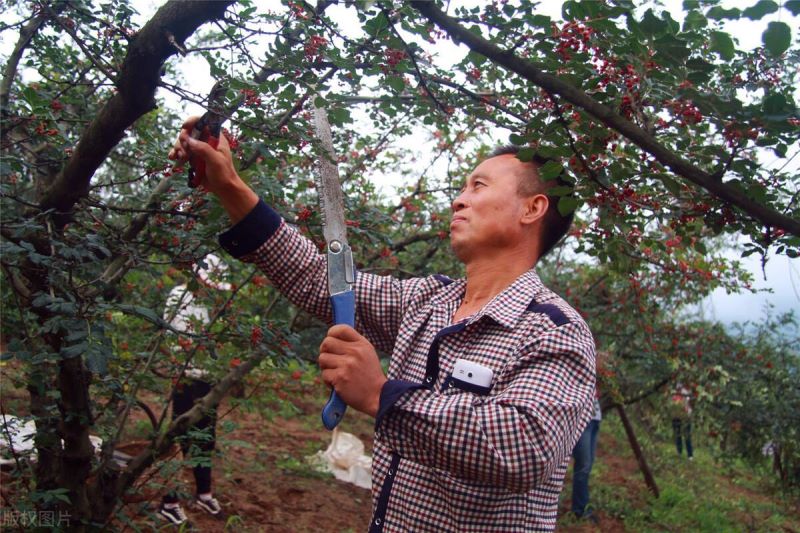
x,y
703,495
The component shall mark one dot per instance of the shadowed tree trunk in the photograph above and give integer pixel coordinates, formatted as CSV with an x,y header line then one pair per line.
x,y
637,450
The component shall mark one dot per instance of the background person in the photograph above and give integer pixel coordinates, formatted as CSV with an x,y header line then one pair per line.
x,y
681,408
584,454
185,314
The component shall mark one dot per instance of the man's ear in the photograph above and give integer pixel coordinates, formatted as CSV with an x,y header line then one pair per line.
x,y
535,208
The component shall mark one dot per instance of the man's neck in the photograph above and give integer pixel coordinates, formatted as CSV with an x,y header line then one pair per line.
x,y
489,276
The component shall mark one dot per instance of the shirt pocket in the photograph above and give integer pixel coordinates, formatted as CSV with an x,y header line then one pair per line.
x,y
453,385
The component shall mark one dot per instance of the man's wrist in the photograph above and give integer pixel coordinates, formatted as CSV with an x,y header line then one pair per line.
x,y
375,405
237,198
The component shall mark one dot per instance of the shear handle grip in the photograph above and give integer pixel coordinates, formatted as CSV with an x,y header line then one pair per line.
x,y
197,165
344,312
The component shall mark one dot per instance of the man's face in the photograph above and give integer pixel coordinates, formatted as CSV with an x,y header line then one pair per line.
x,y
487,212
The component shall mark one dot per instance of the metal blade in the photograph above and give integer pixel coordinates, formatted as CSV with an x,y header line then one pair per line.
x,y
331,199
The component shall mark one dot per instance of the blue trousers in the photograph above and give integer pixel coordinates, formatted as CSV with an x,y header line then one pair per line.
x,y
583,453
682,431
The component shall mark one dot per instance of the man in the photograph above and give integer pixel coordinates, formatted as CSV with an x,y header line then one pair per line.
x,y
447,456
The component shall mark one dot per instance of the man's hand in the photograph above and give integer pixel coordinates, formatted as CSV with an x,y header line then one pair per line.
x,y
221,177
351,366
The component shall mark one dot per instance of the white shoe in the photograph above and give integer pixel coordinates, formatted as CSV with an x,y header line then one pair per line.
x,y
209,505
173,514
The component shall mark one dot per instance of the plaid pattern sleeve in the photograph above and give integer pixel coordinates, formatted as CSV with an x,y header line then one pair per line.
x,y
298,270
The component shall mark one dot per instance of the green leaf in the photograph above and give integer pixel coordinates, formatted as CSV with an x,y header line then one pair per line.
x,y
674,49
567,205
541,21
319,101
722,43
396,83
652,25
774,104
700,64
339,116
777,38
476,58
75,350
763,7
561,190
793,6
572,10
516,139
142,312
550,170
780,150
718,13
694,21
526,154
377,25
672,186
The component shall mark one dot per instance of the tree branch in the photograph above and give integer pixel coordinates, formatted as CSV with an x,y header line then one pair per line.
x,y
608,117
136,84
25,36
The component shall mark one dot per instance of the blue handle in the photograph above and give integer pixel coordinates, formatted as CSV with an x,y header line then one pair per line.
x,y
344,312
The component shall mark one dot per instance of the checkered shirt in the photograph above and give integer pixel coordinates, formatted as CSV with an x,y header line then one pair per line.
x,y
449,456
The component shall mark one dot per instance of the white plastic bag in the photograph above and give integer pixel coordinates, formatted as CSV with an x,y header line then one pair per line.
x,y
345,459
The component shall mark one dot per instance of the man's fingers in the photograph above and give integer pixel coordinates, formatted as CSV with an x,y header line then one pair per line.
x,y
329,377
189,123
345,333
178,152
328,361
223,145
197,147
333,345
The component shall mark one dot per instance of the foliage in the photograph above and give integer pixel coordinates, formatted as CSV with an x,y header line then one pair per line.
x,y
699,495
662,126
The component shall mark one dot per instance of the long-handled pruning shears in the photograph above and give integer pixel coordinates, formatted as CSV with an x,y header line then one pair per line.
x,y
207,129
341,274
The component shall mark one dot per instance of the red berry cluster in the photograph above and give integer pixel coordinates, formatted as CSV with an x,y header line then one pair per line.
x,y
251,98
256,335
315,46
734,133
298,11
393,57
304,214
573,36
620,199
685,110
42,129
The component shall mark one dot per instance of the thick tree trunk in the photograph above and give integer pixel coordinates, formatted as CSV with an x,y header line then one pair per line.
x,y
59,187
41,380
76,463
637,450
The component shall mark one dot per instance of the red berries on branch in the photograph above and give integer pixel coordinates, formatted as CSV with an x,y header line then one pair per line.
x,y
315,46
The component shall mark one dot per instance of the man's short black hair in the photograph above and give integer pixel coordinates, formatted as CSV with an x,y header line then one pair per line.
x,y
555,224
